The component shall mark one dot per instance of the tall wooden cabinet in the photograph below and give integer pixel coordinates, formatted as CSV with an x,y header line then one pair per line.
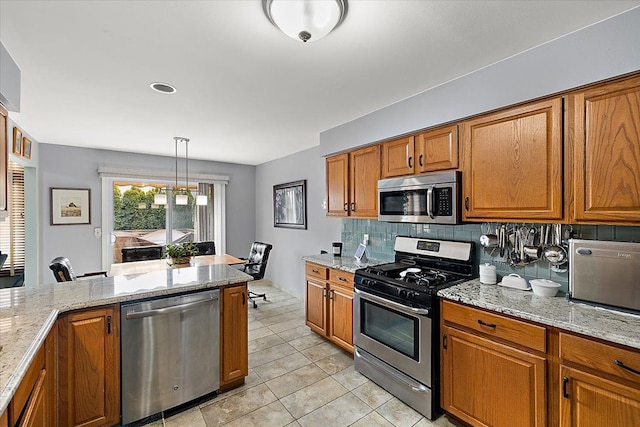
x,y
234,350
329,304
493,368
352,183
606,155
513,164
89,367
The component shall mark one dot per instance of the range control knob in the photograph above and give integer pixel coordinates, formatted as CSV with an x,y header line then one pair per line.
x,y
402,293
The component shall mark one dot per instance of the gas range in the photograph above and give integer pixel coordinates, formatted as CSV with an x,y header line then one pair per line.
x,y
421,268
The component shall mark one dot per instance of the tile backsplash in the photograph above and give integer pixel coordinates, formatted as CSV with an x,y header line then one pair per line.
x,y
382,237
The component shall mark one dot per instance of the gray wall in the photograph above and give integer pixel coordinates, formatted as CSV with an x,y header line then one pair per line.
x,y
73,167
285,268
603,50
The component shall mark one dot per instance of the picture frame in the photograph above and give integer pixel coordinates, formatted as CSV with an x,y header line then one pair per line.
x,y
26,147
70,206
17,141
290,205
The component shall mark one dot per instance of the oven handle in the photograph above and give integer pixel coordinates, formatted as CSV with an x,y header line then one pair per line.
x,y
392,304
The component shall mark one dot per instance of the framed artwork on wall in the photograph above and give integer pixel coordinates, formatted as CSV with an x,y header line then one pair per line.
x,y
70,206
17,141
26,147
290,205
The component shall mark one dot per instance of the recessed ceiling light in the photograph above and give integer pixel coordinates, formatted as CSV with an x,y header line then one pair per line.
x,y
163,87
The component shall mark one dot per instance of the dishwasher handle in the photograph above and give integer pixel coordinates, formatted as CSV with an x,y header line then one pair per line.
x,y
169,310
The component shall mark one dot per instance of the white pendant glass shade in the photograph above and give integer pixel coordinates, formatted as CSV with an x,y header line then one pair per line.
x,y
306,20
181,199
160,199
201,200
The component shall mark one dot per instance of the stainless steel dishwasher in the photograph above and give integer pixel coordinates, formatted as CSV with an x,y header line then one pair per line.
x,y
169,352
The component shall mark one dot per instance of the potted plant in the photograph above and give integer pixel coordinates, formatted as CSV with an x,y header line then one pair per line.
x,y
181,253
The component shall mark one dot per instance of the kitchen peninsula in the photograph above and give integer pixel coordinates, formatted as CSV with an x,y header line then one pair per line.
x,y
28,317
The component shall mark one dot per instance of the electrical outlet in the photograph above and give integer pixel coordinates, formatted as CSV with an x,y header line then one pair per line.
x,y
97,232
366,239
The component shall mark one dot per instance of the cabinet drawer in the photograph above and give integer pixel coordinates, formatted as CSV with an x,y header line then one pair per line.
x,y
340,277
316,270
27,384
600,356
515,331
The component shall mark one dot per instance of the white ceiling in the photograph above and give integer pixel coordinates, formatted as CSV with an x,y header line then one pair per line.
x,y
246,92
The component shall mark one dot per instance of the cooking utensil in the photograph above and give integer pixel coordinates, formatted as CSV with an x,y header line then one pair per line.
x,y
489,240
555,253
503,240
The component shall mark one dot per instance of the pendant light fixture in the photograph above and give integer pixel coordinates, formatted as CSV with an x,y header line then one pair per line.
x,y
160,198
306,20
182,198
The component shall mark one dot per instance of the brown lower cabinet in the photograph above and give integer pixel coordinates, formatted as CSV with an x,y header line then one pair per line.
x,y
234,359
89,367
329,304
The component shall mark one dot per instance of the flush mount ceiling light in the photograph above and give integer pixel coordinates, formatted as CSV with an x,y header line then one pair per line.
x,y
306,20
163,87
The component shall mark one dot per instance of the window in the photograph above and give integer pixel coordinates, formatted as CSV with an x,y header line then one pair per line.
x,y
12,232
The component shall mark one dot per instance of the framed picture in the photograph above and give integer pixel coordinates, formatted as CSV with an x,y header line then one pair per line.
x,y
17,141
70,206
290,205
26,147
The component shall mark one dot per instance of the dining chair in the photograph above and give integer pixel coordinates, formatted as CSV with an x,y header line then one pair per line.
x,y
206,248
63,272
141,253
255,265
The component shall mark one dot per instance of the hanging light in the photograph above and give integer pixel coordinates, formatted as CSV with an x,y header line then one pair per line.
x,y
160,198
201,200
306,20
182,198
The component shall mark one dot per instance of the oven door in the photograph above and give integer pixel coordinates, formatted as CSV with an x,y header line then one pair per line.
x,y
394,333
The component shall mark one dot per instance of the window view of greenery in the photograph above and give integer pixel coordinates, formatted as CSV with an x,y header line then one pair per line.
x,y
138,221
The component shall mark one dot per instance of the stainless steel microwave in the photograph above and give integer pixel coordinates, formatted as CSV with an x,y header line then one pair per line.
x,y
429,199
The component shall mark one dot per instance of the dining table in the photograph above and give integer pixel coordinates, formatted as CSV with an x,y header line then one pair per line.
x,y
139,267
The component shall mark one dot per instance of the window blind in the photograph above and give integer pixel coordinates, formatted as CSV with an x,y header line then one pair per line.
x,y
12,233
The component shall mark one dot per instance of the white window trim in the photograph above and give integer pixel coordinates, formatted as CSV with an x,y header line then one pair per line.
x,y
111,175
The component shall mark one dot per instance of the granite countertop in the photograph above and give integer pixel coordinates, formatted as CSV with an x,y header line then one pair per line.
x,y
610,325
27,314
344,263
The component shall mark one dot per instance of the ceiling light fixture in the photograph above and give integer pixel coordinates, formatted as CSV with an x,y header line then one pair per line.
x,y
182,198
163,87
306,20
201,200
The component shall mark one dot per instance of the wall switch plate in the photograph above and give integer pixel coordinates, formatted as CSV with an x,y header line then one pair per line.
x,y
366,239
97,232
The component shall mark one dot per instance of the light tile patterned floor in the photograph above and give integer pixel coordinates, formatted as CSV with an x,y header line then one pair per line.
x,y
297,378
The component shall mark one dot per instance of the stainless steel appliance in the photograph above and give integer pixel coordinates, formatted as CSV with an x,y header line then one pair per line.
x,y
432,198
605,273
169,352
396,317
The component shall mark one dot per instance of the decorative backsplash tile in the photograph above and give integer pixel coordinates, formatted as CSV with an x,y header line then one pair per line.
x,y
382,237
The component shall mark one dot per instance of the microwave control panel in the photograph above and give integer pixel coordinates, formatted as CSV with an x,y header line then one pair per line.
x,y
444,201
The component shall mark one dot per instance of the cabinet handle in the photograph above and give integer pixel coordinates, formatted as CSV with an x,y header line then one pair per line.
x,y
324,293
342,279
409,162
623,366
466,203
109,325
444,341
420,160
565,381
243,298
331,293
315,271
488,325
346,207
353,206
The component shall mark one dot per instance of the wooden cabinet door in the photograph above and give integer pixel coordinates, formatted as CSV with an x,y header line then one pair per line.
x,y
398,158
89,367
234,345
489,384
315,306
364,174
606,138
36,413
437,149
513,164
341,316
338,185
591,401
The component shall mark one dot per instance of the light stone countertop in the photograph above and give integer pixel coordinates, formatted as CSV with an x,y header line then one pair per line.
x,y
344,263
27,314
610,325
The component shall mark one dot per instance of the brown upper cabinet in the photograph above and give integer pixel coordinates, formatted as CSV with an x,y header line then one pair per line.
x,y
432,150
352,183
606,152
513,164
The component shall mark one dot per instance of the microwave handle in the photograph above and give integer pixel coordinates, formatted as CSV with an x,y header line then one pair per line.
x,y
430,202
